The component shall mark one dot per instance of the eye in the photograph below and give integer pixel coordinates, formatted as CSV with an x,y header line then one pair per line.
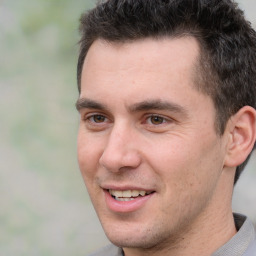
x,y
156,120
96,121
97,118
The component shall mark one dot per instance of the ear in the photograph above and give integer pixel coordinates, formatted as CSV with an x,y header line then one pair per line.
x,y
242,134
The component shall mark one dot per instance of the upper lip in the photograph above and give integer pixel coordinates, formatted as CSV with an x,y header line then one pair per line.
x,y
126,187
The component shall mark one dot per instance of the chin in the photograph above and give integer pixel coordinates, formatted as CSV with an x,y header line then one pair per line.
x,y
131,242
135,238
122,237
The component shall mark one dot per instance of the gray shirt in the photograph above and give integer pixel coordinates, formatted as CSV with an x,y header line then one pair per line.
x,y
243,243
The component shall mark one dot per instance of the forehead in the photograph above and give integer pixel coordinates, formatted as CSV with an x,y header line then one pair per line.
x,y
149,64
181,50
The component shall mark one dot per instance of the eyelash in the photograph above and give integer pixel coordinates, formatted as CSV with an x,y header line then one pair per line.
x,y
148,120
162,119
93,116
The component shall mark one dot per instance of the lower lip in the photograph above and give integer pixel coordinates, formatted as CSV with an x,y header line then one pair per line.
x,y
126,206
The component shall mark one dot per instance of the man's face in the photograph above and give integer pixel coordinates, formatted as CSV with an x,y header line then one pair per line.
x,y
147,147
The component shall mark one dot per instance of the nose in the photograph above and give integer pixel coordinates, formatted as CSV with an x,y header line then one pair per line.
x,y
121,151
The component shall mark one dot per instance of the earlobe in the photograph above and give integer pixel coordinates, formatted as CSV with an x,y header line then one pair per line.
x,y
242,134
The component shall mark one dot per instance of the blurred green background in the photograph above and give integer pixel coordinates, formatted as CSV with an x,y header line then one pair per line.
x,y
44,206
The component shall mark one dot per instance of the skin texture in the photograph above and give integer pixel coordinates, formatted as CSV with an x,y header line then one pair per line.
x,y
176,154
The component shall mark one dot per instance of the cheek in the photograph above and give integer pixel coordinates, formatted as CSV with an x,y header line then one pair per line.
x,y
185,164
168,155
169,161
188,179
88,162
88,154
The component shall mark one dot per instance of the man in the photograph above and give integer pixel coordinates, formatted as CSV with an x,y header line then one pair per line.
x,y
167,102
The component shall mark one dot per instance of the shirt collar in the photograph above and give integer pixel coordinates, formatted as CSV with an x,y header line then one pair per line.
x,y
241,241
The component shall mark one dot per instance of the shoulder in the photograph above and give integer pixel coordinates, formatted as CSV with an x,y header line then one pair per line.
x,y
251,250
109,250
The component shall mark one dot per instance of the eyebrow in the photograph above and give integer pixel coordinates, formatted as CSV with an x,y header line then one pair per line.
x,y
158,105
87,103
137,107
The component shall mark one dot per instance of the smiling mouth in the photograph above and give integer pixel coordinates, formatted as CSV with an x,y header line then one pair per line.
x,y
128,195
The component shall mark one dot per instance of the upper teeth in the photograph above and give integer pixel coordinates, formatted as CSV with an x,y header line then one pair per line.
x,y
127,193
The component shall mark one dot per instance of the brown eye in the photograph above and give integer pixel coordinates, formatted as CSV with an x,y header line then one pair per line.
x,y
156,120
97,119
